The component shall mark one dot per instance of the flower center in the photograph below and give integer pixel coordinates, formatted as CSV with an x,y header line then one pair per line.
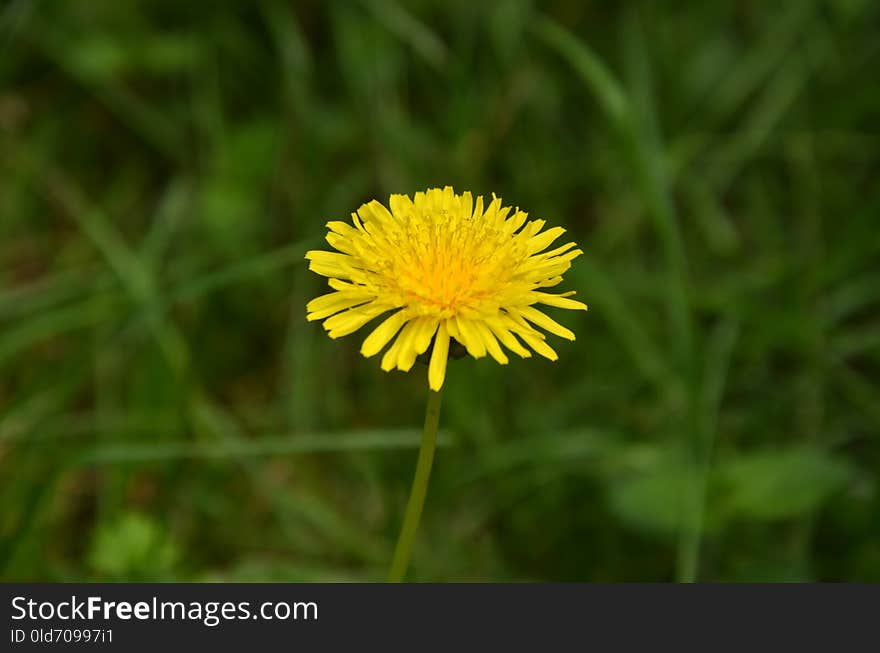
x,y
446,264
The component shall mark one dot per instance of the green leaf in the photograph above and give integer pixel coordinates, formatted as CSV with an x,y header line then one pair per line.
x,y
133,547
783,483
653,501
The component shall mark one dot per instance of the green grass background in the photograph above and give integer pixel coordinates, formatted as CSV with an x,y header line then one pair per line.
x,y
166,412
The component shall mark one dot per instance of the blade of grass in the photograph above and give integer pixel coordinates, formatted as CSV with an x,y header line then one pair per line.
x,y
589,67
48,292
722,341
135,275
642,148
12,20
44,326
409,29
263,446
625,326
148,122
167,219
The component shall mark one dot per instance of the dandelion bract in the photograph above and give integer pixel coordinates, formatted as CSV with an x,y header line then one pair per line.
x,y
443,266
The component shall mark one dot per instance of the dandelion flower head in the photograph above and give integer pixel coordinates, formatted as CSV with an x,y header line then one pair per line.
x,y
443,266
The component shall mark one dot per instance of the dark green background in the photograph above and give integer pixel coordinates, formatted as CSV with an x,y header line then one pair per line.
x,y
166,412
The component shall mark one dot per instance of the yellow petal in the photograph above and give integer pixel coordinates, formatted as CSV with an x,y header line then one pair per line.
x,y
478,208
545,322
513,321
491,212
327,305
539,346
401,206
515,221
338,284
376,212
543,240
508,339
341,243
531,228
491,343
342,228
559,301
470,338
467,204
389,360
417,342
553,252
439,357
406,355
353,319
424,333
329,264
383,334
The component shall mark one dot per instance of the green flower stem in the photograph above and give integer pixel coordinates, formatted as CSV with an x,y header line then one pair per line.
x,y
403,550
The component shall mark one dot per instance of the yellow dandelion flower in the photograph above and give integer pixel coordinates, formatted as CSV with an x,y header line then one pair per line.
x,y
448,268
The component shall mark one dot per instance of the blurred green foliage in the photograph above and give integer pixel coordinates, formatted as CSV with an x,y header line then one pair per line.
x,y
167,413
